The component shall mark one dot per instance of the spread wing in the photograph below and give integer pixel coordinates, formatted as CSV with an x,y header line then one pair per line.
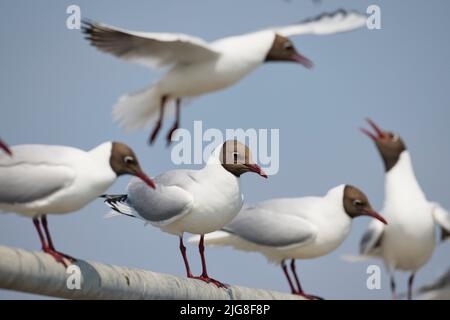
x,y
147,48
327,23
271,228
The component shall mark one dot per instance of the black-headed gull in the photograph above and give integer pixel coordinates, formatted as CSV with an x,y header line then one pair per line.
x,y
46,179
5,147
408,242
295,228
194,201
199,67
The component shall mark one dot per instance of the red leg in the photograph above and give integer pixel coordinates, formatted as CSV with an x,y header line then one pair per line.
x,y
45,246
286,273
393,291
410,286
176,124
186,263
5,147
158,124
39,231
294,272
297,281
50,241
204,276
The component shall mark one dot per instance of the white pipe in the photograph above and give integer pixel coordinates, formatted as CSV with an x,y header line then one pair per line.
x,y
39,273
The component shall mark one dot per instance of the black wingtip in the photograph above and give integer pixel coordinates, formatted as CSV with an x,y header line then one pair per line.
x,y
114,198
330,14
87,25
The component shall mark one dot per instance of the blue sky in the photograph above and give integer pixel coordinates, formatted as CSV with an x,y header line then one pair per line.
x,y
56,89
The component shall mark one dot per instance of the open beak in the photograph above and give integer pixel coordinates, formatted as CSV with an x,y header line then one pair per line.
x,y
378,132
256,169
375,215
297,57
141,175
5,147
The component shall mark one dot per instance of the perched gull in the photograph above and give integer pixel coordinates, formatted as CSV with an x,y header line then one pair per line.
x,y
198,67
5,147
408,242
45,179
194,201
295,228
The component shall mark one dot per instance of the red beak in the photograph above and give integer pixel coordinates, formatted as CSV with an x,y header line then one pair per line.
x,y
374,215
256,169
146,179
5,147
296,57
378,132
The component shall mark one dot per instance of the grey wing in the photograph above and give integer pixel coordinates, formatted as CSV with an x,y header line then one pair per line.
x,y
27,182
371,241
159,206
151,49
271,228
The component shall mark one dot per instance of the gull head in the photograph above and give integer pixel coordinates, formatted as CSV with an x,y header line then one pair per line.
x,y
283,49
124,161
356,204
389,144
237,159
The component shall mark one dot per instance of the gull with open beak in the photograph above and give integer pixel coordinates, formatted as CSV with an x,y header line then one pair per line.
x,y
45,179
295,228
194,201
198,67
408,242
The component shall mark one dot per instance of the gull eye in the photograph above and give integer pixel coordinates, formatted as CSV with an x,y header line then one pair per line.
x,y
288,45
357,203
128,159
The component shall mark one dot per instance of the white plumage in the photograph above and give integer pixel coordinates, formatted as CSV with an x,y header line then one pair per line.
x,y
408,242
197,67
194,201
43,179
295,228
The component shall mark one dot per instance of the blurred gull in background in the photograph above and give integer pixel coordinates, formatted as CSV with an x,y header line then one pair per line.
x,y
198,67
408,242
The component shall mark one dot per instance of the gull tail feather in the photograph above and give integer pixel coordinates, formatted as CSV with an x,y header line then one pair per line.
x,y
216,238
119,206
134,111
355,258
223,238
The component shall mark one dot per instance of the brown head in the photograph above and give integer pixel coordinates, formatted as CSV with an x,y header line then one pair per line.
x,y
237,159
389,144
356,204
124,161
283,50
5,147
